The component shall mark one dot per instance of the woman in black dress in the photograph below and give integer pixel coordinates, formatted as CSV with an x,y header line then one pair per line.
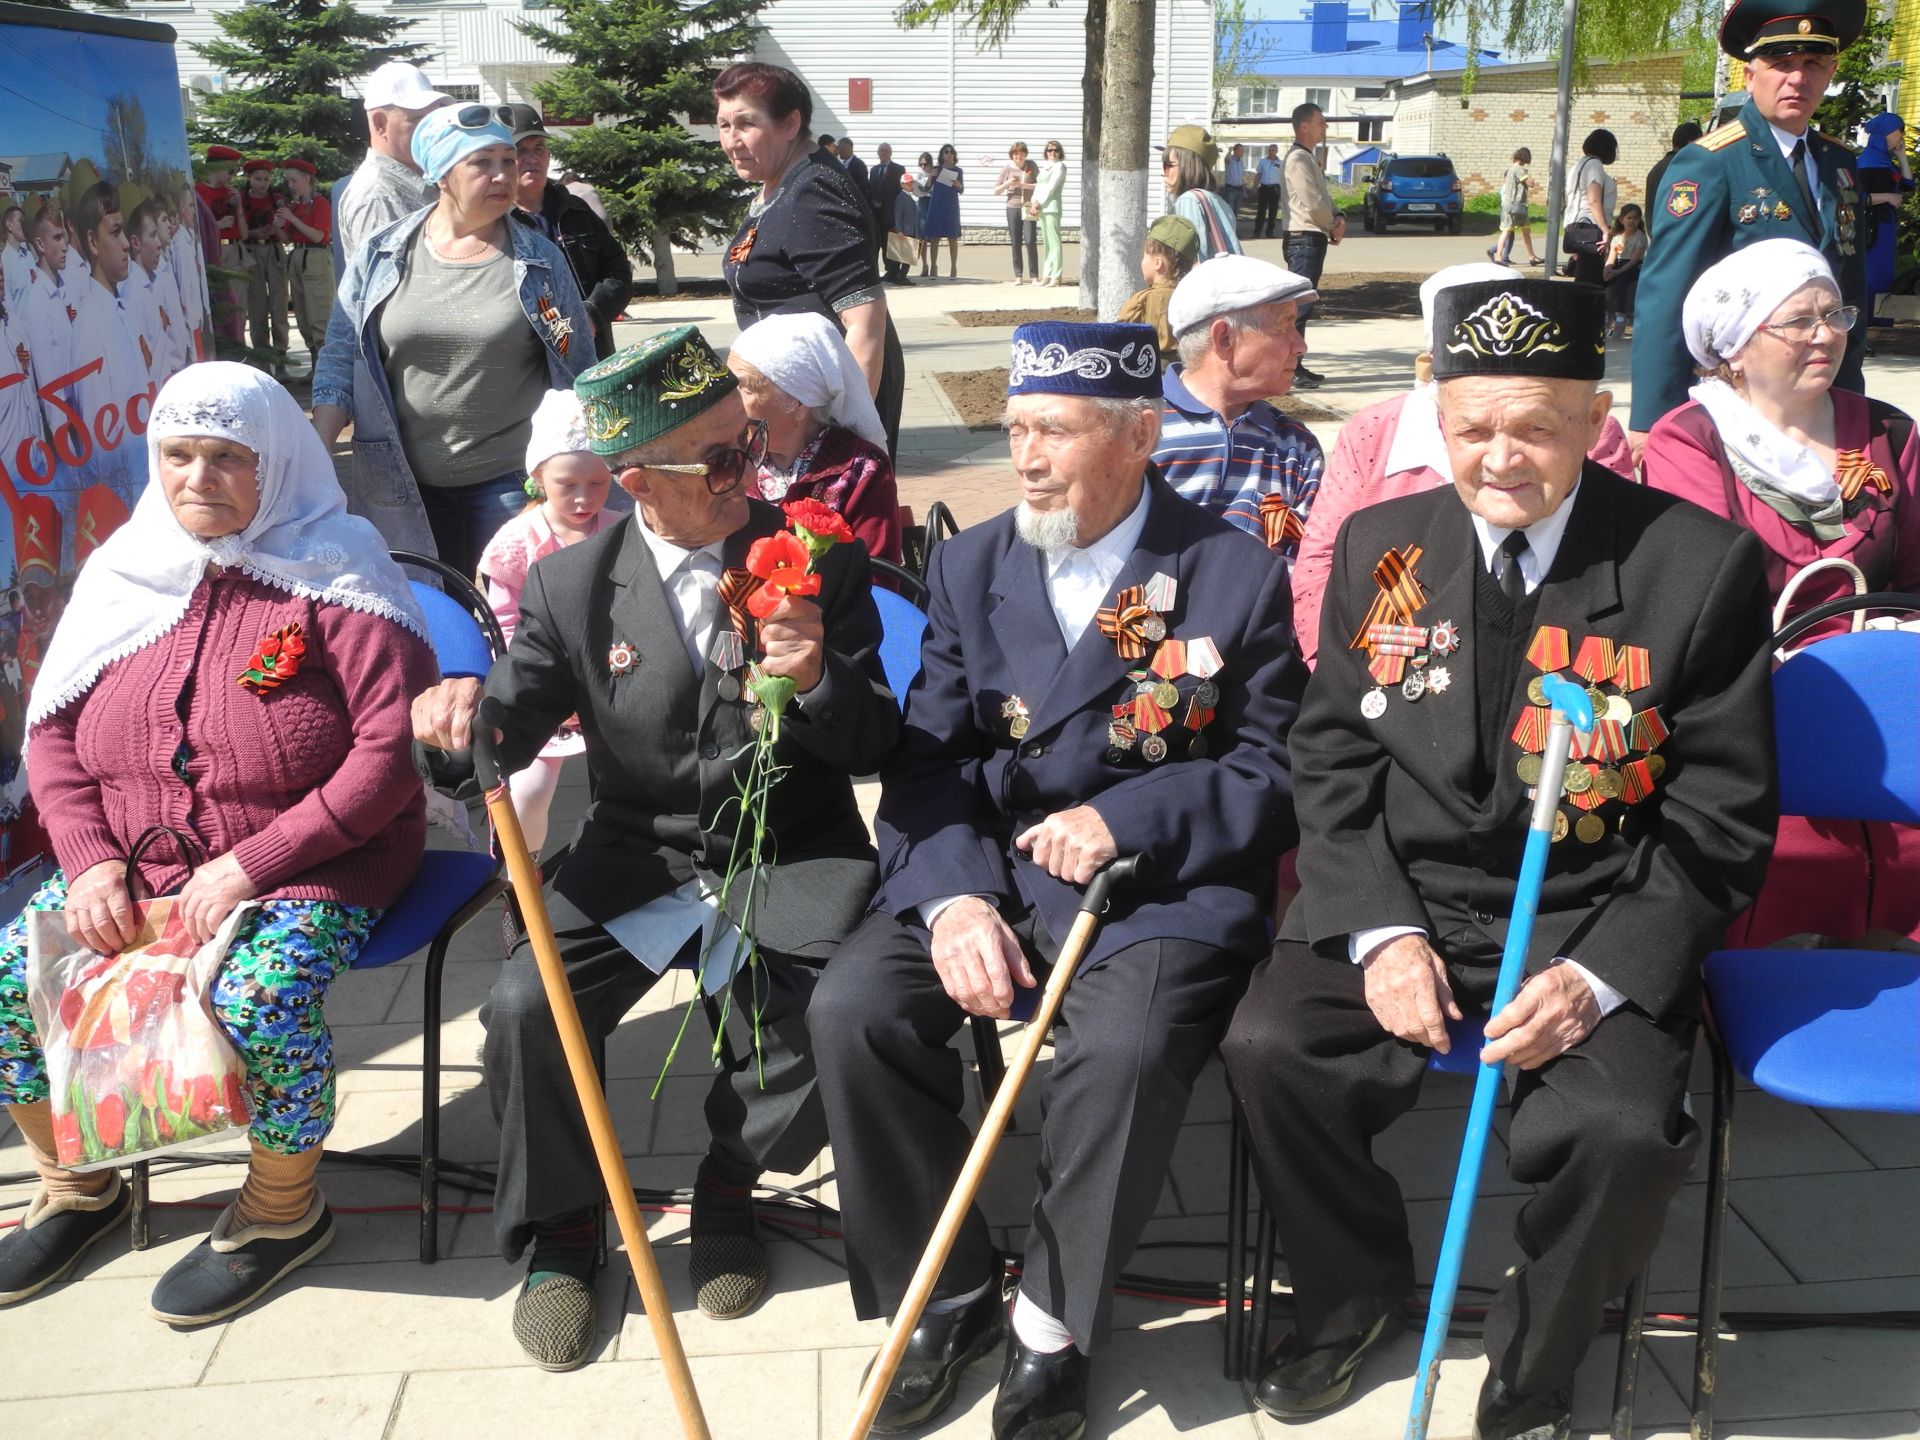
x,y
806,243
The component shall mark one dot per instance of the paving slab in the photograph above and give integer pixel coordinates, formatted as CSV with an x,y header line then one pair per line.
x,y
341,1408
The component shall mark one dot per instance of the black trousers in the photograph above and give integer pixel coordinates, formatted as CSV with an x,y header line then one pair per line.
x,y
893,387
1133,1034
1306,256
1601,1131
1266,211
547,1167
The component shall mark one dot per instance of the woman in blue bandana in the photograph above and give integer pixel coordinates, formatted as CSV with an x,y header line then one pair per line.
x,y
450,326
1886,177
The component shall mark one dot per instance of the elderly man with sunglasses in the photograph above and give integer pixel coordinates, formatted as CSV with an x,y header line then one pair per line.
x,y
643,632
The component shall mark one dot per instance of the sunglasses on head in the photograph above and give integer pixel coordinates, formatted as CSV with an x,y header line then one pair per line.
x,y
478,117
724,473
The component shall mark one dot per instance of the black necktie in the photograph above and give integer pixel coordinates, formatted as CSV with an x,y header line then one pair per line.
x,y
1800,174
1513,584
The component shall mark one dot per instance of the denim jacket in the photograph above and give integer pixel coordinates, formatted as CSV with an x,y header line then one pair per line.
x,y
348,372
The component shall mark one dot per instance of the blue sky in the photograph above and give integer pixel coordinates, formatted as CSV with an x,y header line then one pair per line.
x,y
54,86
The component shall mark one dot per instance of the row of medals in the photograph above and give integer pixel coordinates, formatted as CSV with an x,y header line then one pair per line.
x,y
1604,782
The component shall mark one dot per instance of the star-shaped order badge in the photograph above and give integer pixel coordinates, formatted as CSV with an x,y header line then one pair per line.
x,y
621,658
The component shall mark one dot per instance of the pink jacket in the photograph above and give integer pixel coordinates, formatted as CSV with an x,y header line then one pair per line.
x,y
1357,477
1684,457
311,786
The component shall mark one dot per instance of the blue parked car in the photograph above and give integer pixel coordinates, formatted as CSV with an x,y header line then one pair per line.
x,y
1413,187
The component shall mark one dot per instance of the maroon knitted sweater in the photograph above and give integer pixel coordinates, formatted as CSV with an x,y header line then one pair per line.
x,y
311,786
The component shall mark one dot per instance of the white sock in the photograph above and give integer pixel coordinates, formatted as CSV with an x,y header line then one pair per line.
x,y
1038,1330
957,1302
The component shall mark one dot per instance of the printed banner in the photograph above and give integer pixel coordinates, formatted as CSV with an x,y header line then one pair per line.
x,y
103,296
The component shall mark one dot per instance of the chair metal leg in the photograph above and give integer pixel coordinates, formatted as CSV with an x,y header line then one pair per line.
x,y
1262,1294
992,1065
430,1100
1236,1286
142,1206
1626,1373
1712,1254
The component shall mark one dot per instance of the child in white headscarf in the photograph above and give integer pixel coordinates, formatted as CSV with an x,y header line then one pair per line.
x,y
569,485
824,438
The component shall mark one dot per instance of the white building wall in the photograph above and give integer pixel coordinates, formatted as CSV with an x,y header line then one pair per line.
x,y
930,86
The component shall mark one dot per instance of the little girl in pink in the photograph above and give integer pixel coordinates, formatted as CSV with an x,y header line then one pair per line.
x,y
569,486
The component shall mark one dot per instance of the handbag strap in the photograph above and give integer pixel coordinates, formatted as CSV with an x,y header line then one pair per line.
x,y
192,854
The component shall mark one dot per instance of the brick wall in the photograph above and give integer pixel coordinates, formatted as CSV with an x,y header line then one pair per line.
x,y
1638,103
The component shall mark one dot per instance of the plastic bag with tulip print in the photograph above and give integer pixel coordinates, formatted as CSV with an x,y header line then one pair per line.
x,y
136,1062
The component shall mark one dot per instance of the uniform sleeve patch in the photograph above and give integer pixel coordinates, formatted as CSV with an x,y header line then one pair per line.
x,y
1683,197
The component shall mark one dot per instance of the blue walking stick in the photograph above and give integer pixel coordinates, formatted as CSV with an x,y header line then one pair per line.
x,y
1571,710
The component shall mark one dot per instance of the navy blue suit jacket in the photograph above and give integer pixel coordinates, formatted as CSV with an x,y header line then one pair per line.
x,y
959,787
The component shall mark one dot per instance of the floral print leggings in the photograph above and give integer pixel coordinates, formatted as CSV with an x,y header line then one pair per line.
x,y
269,996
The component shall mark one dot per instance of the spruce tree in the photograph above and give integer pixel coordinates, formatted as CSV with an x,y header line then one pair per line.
x,y
645,69
290,58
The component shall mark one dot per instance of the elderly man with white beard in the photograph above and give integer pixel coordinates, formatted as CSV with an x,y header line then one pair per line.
x,y
1109,670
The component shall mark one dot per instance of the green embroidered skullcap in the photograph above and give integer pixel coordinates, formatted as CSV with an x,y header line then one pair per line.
x,y
640,393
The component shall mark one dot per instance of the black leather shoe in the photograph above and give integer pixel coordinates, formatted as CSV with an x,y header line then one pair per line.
x,y
1504,1414
1305,379
1300,1384
942,1347
1042,1397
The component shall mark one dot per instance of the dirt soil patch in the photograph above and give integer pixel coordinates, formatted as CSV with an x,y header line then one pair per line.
x,y
976,319
981,398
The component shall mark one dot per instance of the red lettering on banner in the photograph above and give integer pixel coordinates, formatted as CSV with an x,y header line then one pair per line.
x,y
24,459
71,441
137,425
105,422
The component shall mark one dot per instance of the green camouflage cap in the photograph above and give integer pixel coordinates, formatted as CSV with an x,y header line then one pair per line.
x,y
640,393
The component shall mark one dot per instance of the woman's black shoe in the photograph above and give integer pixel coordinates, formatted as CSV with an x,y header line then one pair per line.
x,y
50,1240
1042,1397
232,1268
1504,1414
1297,1385
942,1347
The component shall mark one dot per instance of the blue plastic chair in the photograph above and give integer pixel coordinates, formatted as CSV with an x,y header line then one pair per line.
x,y
1835,1028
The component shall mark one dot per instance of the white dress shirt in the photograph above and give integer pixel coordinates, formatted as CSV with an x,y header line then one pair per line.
x,y
1786,140
1079,581
691,579
1543,543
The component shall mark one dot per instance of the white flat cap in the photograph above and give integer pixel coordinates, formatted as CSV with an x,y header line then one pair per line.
x,y
398,83
1228,283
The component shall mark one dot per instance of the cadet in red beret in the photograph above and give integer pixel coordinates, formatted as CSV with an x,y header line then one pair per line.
x,y
265,262
224,201
304,221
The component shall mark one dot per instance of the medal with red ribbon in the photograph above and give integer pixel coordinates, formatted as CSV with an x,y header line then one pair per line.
x,y
1399,651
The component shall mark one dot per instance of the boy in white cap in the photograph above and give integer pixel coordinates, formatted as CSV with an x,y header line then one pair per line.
x,y
568,486
1222,445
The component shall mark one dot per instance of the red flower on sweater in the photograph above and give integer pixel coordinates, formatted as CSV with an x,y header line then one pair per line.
x,y
276,659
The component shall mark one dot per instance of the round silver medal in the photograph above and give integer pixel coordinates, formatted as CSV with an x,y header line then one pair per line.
x,y
1374,703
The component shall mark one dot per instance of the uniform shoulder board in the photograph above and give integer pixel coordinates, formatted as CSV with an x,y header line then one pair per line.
x,y
1831,140
1719,139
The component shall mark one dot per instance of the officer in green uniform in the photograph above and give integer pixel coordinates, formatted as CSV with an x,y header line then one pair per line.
x,y
1763,175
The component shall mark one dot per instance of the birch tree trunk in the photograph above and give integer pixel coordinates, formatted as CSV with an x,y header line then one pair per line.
x,y
1126,97
1090,129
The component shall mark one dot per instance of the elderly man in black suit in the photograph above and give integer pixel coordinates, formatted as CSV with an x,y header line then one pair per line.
x,y
643,632
1416,746
1108,670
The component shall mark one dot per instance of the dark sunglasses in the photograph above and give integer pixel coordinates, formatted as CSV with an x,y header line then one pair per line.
x,y
724,474
478,117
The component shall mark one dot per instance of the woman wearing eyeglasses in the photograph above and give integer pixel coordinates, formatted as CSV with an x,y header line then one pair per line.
x,y
806,244
1816,473
462,318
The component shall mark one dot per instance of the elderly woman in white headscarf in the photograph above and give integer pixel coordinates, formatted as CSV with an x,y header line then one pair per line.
x,y
824,438
1816,473
232,677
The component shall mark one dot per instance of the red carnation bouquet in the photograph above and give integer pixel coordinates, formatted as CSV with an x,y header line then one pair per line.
x,y
782,565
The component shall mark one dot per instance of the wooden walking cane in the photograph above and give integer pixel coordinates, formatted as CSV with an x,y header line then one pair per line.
x,y
1123,871
525,875
1572,709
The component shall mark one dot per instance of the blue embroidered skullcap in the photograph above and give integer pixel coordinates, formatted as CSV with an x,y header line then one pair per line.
x,y
1101,362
